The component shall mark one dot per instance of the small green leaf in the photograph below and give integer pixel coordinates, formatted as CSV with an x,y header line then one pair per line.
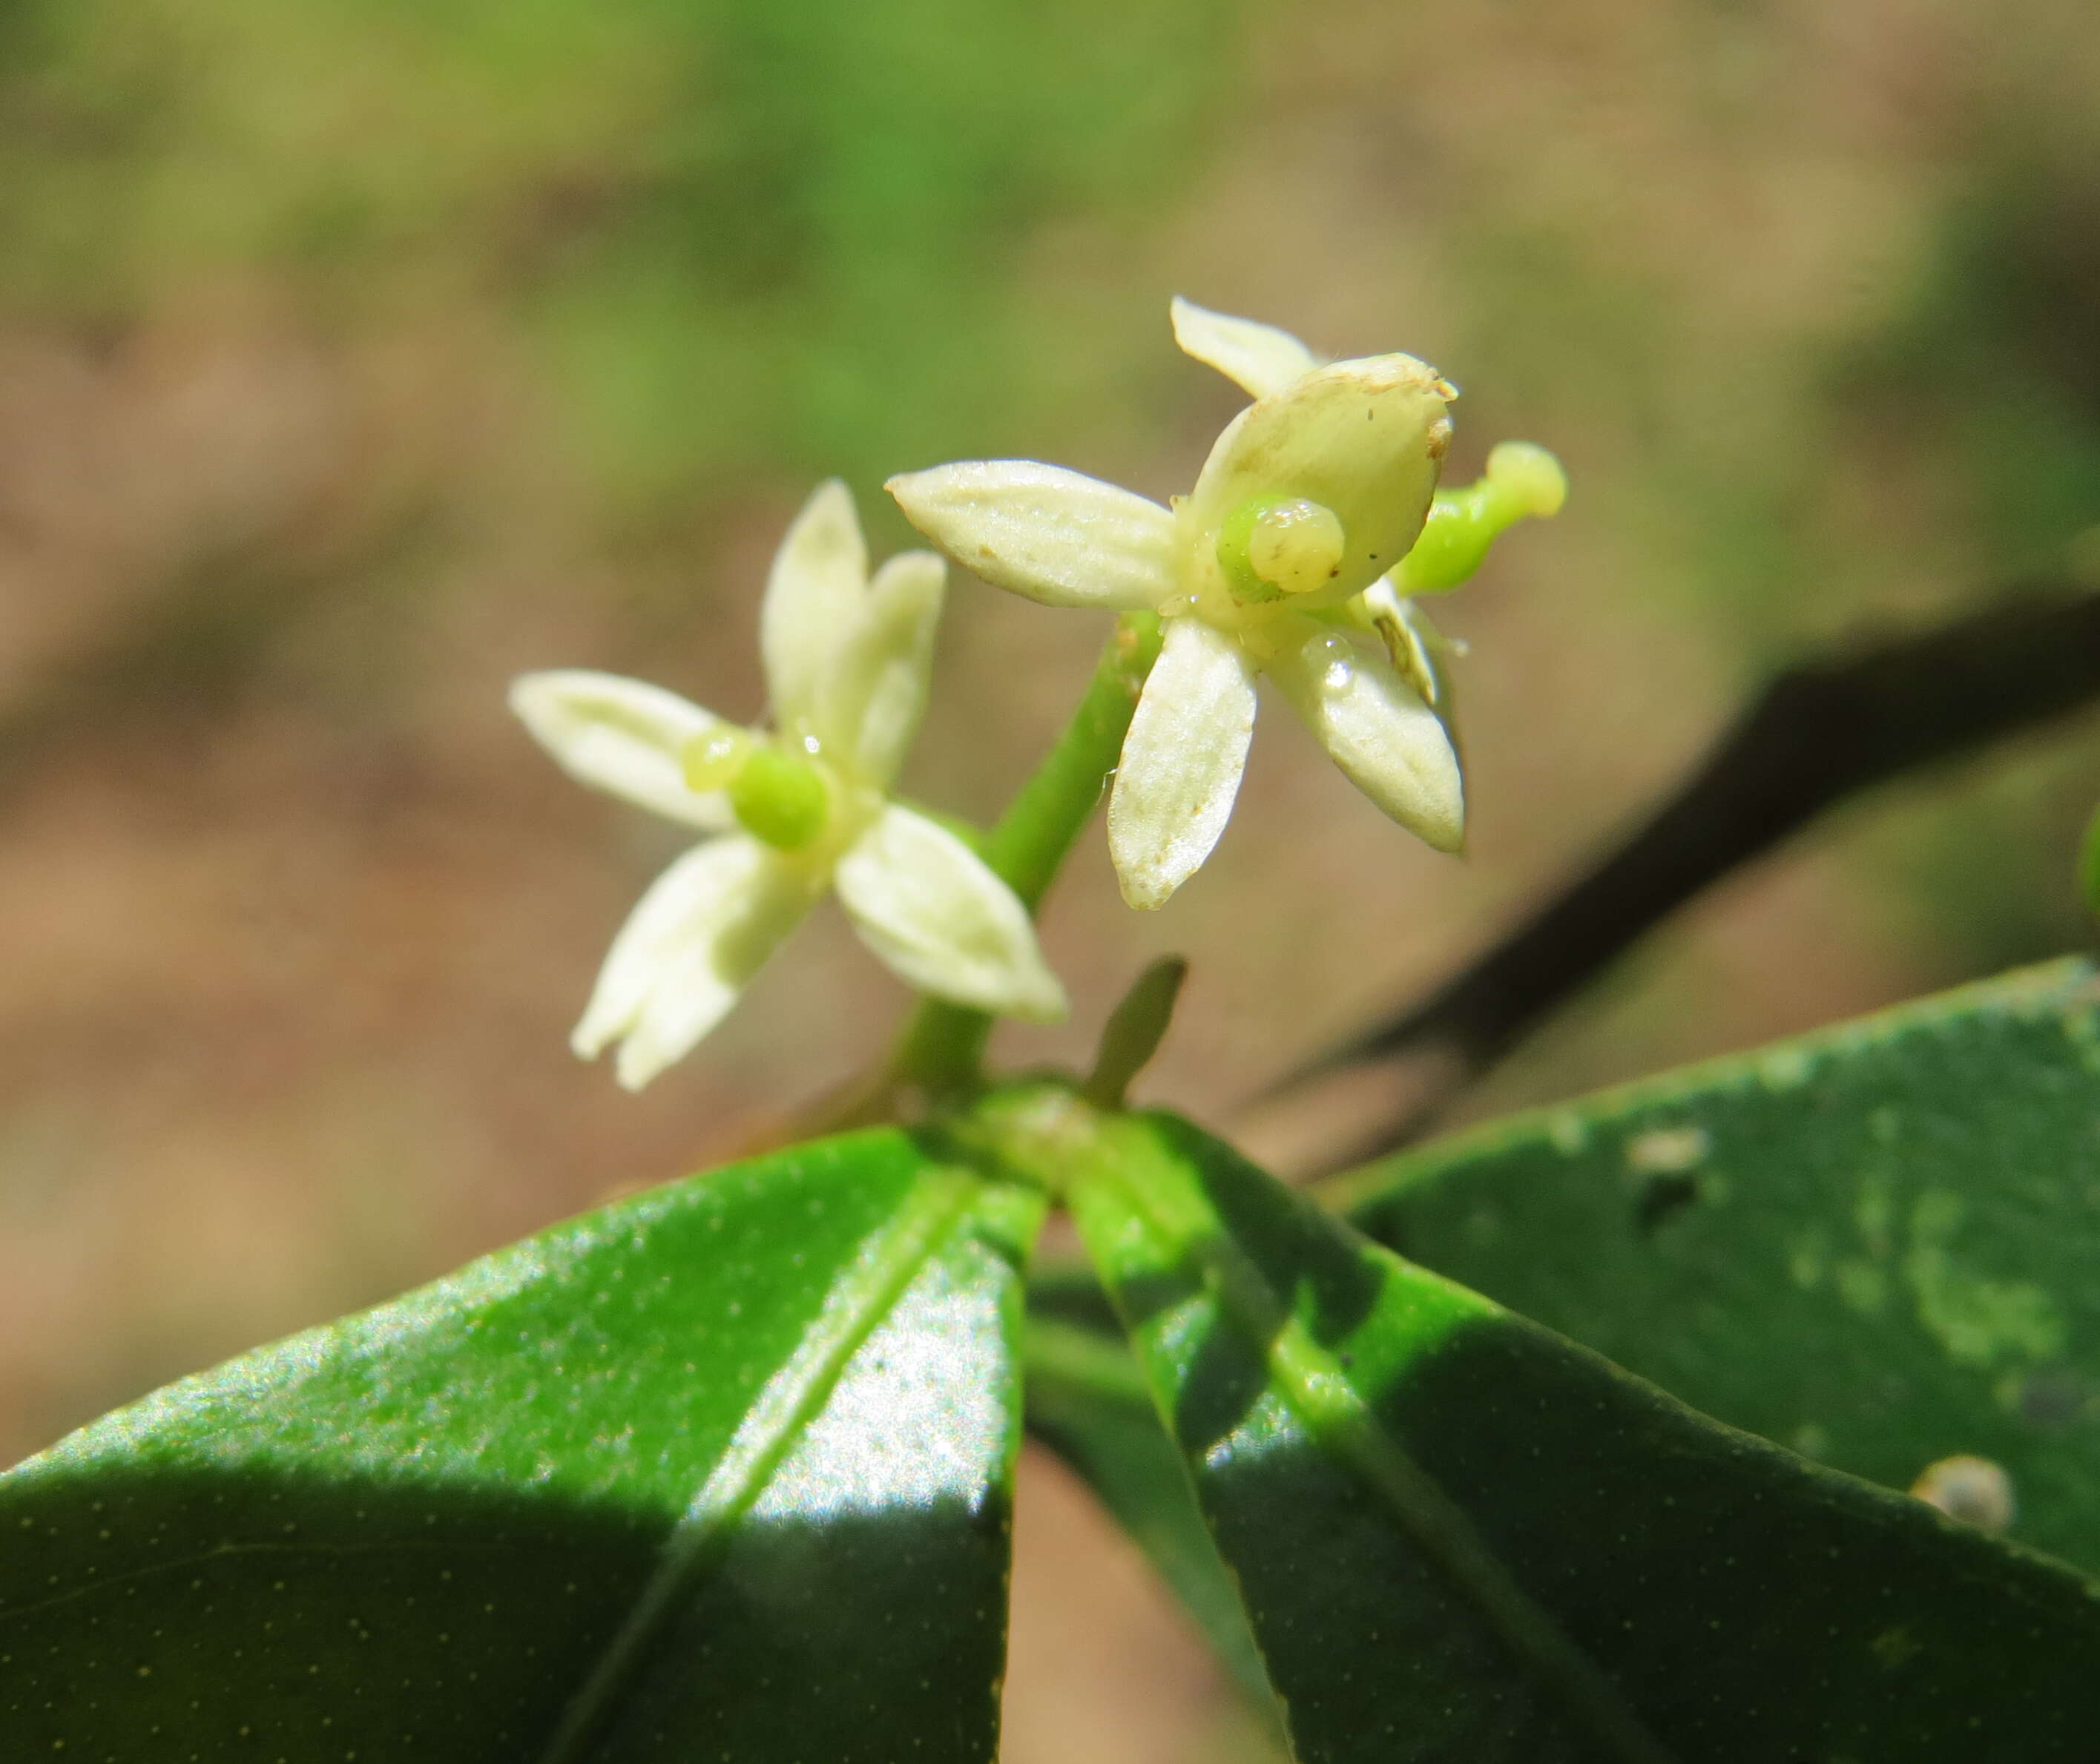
x,y
722,1471
1460,1536
1873,1244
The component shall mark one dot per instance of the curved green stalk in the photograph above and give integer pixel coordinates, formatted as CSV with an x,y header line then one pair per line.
x,y
942,1049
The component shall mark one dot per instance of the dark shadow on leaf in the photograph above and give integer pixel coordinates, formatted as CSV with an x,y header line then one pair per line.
x,y
1747,1606
1071,1292
150,1613
1305,1258
1532,1556
1662,1199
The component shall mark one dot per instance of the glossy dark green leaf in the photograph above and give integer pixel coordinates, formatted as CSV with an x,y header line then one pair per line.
x,y
1460,1536
720,1471
1875,1245
1088,1402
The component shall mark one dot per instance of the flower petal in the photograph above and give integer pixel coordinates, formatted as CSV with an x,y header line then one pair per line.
x,y
1258,358
814,603
622,736
1375,726
1363,438
1055,536
1181,761
927,905
1421,652
692,941
875,691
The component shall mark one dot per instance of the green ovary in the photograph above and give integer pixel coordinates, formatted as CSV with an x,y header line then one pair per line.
x,y
780,798
1276,545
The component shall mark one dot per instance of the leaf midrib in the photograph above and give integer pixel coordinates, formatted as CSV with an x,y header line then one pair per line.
x,y
889,1260
1322,1394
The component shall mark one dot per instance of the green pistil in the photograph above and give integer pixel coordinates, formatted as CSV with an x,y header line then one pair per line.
x,y
1235,541
780,798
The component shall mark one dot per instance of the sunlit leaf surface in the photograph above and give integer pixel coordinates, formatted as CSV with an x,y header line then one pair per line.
x,y
1876,1244
721,1471
1461,1536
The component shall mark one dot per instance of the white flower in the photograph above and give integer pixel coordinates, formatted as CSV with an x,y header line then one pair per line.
x,y
793,810
1310,497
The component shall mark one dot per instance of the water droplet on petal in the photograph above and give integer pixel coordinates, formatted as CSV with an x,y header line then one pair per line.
x,y
1335,660
712,761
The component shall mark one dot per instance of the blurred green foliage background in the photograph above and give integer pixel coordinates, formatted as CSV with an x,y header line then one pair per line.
x,y
355,356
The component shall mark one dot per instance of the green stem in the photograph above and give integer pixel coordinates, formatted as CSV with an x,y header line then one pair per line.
x,y
942,1049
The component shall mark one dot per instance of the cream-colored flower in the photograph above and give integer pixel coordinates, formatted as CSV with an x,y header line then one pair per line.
x,y
1311,495
793,810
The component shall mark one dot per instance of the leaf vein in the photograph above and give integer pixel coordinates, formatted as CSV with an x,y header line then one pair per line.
x,y
889,1260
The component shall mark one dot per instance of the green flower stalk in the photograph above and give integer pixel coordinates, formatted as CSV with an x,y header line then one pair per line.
x,y
2089,865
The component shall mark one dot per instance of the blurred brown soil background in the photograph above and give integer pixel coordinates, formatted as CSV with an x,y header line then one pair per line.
x,y
353,358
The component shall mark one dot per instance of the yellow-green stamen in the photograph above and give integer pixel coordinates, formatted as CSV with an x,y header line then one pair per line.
x,y
712,761
1522,482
